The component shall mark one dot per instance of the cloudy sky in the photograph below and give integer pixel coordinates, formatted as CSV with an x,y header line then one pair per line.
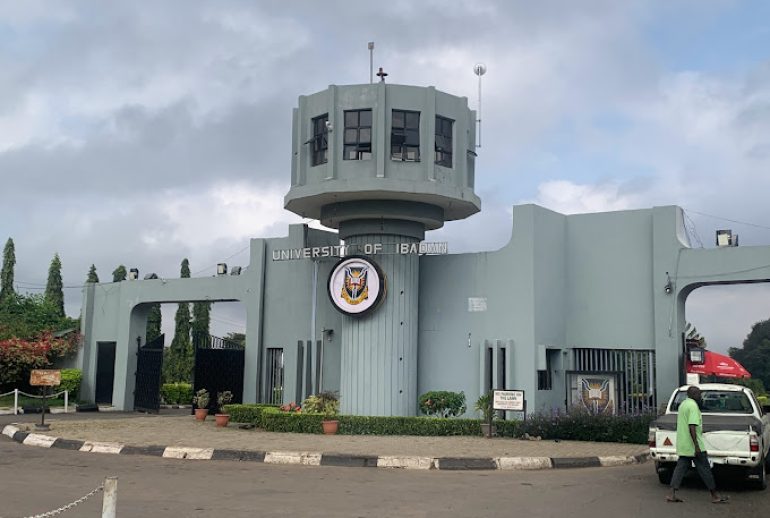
x,y
140,133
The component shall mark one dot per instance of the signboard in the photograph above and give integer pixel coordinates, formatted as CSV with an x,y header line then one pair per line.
x,y
356,285
45,378
512,400
314,252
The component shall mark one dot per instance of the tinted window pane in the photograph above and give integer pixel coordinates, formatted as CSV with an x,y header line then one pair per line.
x,y
412,120
365,118
350,153
365,135
412,137
351,136
398,119
351,119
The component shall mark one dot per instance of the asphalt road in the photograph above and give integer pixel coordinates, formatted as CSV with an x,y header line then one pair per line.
x,y
34,480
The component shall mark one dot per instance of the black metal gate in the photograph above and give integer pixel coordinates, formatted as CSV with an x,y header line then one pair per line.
x,y
219,367
149,366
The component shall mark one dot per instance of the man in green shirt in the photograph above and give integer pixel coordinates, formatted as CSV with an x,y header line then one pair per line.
x,y
690,447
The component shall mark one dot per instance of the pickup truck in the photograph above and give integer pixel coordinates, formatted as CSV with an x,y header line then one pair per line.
x,y
736,431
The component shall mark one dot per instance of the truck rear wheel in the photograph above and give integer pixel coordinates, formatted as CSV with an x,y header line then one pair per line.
x,y
759,477
665,472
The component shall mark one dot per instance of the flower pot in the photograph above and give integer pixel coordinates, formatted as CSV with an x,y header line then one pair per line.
x,y
201,413
330,426
222,419
488,430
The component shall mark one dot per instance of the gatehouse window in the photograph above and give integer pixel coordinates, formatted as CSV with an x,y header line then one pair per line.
x,y
358,135
545,378
444,141
405,136
320,139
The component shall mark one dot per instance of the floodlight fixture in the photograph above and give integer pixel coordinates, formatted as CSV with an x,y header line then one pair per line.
x,y
133,274
150,276
725,237
235,270
221,269
697,355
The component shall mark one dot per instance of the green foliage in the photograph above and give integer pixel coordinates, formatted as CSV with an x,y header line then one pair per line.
x,y
326,403
423,426
756,385
177,393
70,381
223,399
119,274
27,316
179,360
755,353
484,405
54,288
154,321
201,398
247,413
442,403
201,314
92,276
239,338
6,274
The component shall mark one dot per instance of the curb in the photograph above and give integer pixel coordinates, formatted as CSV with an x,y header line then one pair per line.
x,y
307,458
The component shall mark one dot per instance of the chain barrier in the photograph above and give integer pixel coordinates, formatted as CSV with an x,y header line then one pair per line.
x,y
67,507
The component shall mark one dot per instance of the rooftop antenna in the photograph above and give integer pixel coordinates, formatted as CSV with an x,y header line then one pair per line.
x,y
479,69
371,62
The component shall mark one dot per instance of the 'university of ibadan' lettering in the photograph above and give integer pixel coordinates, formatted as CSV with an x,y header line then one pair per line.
x,y
313,252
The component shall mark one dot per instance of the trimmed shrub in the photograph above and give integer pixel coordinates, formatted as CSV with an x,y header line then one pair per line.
x,y
274,420
580,427
425,426
442,403
70,381
177,393
247,413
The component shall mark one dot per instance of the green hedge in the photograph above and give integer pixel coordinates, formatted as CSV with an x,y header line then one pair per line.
x,y
70,380
177,393
576,427
247,413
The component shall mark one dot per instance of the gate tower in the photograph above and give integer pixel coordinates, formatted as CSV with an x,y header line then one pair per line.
x,y
383,163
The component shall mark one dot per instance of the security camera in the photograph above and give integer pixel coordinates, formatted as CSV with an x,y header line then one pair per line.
x,y
329,126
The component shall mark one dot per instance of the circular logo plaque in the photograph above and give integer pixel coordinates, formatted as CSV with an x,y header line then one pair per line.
x,y
356,285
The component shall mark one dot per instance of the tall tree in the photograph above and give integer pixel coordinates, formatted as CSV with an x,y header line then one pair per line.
x,y
201,319
119,274
54,289
6,274
755,353
92,276
154,321
179,357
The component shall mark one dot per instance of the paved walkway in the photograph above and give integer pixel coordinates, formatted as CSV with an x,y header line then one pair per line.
x,y
183,430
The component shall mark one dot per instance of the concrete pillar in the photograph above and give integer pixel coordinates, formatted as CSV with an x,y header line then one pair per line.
x,y
379,350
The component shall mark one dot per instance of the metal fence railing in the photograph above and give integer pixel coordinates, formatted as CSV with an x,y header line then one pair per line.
x,y
17,392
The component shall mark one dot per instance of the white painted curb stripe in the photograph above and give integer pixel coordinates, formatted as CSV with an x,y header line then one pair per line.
x,y
406,462
510,463
101,447
181,452
616,460
36,439
293,457
10,430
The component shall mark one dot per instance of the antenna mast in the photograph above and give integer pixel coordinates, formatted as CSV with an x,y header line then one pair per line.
x,y
479,69
371,62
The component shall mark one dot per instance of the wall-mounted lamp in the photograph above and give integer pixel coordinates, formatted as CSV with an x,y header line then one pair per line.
x,y
328,333
133,274
669,287
469,340
221,269
726,238
697,355
150,276
235,270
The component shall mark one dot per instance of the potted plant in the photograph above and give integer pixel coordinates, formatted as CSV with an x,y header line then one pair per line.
x,y
201,401
485,406
223,398
330,407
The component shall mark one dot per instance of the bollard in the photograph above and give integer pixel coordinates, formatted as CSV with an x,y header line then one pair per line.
x,y
66,401
110,500
15,401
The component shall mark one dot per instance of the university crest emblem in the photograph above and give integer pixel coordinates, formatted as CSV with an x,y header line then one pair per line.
x,y
356,285
595,395
355,288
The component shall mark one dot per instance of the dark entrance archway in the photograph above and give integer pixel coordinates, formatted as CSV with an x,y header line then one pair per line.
x,y
219,366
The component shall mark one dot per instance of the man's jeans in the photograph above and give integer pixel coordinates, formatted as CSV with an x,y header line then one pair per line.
x,y
701,465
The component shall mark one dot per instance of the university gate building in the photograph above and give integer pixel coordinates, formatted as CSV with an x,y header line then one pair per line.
x,y
581,309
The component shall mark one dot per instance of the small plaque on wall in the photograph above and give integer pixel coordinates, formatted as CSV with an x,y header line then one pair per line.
x,y
477,304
